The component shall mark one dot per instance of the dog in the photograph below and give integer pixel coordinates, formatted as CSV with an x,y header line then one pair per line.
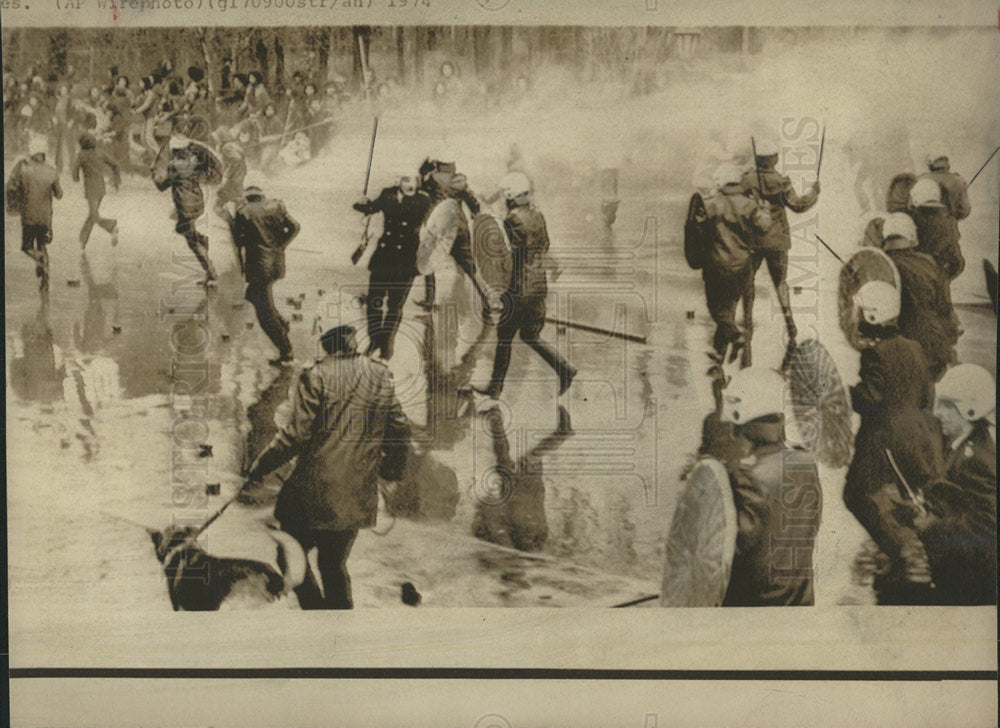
x,y
199,581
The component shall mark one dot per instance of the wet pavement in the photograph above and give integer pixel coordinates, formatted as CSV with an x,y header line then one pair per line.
x,y
123,373
128,367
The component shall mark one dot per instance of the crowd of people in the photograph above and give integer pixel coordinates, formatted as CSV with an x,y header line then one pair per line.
x,y
278,120
922,480
130,117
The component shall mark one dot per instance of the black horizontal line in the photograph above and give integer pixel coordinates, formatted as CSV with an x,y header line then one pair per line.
x,y
472,673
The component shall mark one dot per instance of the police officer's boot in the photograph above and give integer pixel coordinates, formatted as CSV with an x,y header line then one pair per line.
x,y
746,355
554,359
786,309
429,292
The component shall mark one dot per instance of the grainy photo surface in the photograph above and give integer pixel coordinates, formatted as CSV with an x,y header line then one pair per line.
x,y
343,312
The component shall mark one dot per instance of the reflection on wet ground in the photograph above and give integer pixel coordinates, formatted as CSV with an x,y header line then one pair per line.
x,y
120,361
34,373
510,502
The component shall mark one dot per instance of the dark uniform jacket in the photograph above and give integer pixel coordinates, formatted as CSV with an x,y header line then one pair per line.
x,y
779,504
93,163
39,183
347,428
396,251
264,229
734,225
893,399
926,314
529,245
776,190
183,171
937,227
961,535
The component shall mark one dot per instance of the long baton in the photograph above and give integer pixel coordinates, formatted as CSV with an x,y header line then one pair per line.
x,y
822,141
984,165
365,238
596,330
634,602
753,146
371,155
832,251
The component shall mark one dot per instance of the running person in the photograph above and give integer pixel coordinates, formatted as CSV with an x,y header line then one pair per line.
x,y
93,163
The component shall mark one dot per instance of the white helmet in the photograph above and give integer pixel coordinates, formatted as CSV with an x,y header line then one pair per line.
x,y
407,184
515,185
879,302
179,141
899,231
765,148
926,193
37,144
727,174
752,392
253,183
970,388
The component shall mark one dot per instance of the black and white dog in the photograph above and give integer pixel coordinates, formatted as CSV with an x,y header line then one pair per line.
x,y
198,581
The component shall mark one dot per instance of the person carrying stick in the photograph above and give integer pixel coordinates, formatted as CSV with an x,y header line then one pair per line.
x,y
775,189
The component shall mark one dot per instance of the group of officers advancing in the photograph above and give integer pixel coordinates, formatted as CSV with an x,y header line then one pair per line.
x,y
923,476
262,229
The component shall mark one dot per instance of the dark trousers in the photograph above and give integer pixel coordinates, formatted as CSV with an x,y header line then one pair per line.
x,y
333,548
34,243
197,242
527,317
94,218
271,323
723,290
777,268
387,292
